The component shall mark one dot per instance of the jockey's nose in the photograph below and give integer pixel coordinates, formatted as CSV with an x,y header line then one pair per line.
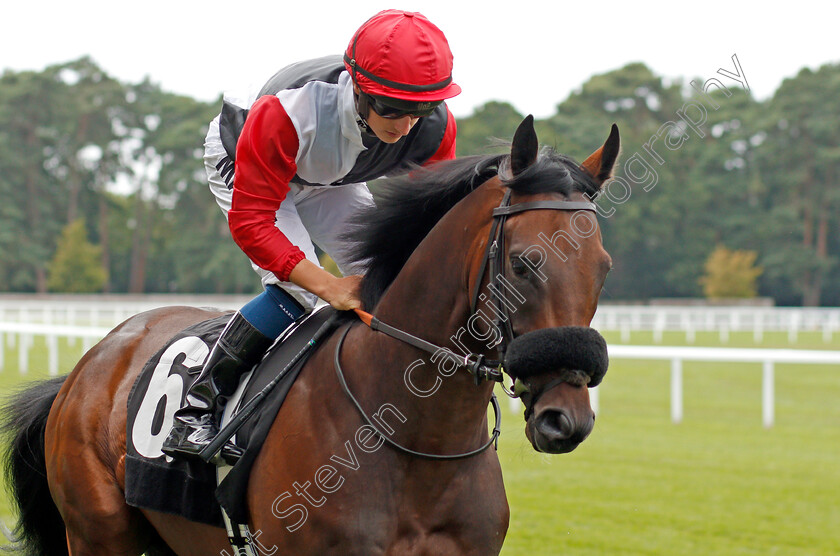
x,y
403,125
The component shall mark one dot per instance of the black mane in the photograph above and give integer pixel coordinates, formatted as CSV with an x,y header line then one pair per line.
x,y
409,206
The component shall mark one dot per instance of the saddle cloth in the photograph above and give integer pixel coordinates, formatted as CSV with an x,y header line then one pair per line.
x,y
158,482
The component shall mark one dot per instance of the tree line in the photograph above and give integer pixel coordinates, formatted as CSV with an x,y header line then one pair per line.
x,y
103,184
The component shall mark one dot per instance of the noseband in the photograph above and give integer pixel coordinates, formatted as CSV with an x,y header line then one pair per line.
x,y
481,368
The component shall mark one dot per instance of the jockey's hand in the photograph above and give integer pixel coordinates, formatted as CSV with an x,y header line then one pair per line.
x,y
344,293
341,293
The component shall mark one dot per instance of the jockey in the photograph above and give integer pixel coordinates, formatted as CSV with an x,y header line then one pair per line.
x,y
290,168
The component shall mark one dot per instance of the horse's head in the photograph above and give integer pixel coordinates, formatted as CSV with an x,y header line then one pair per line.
x,y
543,289
532,285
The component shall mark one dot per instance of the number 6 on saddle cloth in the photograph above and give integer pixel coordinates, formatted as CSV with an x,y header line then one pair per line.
x,y
152,477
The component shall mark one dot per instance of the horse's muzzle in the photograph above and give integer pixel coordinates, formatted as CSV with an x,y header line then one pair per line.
x,y
558,431
556,364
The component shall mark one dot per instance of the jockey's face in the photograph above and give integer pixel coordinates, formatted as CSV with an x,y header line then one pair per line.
x,y
390,130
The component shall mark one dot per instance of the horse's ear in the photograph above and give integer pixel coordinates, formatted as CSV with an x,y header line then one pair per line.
x,y
525,146
600,164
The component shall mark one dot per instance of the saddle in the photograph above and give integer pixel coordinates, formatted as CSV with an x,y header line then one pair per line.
x,y
189,488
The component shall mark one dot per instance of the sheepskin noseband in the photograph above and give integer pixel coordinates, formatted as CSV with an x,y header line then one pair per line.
x,y
566,348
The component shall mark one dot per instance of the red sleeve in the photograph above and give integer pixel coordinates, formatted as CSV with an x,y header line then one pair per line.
x,y
265,164
446,151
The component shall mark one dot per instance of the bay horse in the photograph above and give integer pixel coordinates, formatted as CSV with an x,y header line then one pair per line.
x,y
323,483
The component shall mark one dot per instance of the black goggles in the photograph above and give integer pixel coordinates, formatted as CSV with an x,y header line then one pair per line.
x,y
394,108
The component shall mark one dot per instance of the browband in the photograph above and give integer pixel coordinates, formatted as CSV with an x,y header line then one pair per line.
x,y
536,205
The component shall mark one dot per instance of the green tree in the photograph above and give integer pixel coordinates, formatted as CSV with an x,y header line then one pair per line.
x,y
77,264
199,251
161,167
491,123
755,176
639,226
55,129
30,121
716,197
800,162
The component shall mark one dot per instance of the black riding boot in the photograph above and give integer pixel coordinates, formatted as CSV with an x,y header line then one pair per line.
x,y
237,350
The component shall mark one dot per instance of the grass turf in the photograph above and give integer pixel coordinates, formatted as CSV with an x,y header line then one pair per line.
x,y
719,483
716,484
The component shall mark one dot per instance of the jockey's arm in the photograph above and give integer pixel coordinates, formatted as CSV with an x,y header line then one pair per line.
x,y
265,164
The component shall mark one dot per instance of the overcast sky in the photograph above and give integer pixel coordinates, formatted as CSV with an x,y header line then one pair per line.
x,y
529,53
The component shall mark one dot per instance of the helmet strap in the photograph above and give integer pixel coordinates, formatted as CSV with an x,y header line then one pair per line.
x,y
362,104
362,111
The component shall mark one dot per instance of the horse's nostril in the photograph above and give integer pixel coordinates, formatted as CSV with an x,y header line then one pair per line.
x,y
555,425
565,425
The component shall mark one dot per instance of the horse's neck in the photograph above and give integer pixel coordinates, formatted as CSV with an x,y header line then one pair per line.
x,y
430,296
430,299
431,293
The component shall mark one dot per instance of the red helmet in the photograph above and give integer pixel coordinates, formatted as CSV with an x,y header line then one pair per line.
x,y
401,55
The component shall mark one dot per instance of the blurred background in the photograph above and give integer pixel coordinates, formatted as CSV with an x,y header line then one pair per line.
x,y
103,111
722,223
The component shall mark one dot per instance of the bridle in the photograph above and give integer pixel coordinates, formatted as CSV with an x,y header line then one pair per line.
x,y
494,253
478,365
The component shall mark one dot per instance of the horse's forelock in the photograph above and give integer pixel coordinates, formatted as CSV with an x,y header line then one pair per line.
x,y
551,173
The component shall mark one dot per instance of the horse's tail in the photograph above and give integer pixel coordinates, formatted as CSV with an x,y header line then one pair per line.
x,y
40,529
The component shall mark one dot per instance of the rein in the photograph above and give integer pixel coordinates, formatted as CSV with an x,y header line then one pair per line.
x,y
475,363
497,428
481,368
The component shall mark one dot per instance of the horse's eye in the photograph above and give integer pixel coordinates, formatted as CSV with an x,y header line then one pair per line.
x,y
518,267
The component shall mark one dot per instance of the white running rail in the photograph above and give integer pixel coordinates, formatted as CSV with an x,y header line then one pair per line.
x,y
723,320
23,335
768,358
